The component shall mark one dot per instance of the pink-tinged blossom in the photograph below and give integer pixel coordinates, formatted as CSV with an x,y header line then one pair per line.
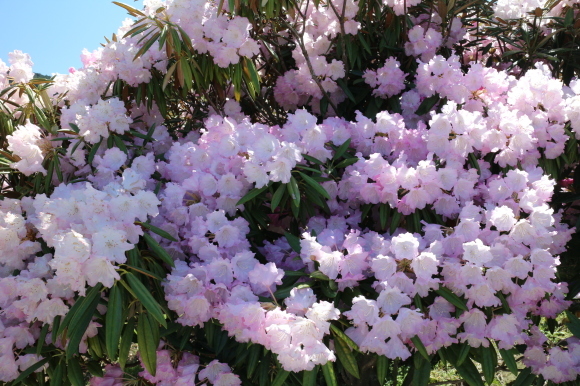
x,y
384,267
503,218
263,277
388,80
112,244
506,330
518,267
390,300
405,246
99,269
477,253
363,311
425,265
300,300
321,313
27,144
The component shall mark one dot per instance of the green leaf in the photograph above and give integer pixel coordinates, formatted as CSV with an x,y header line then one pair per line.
x,y
469,373
75,128
56,326
132,11
384,214
254,356
463,353
329,375
294,192
526,378
312,159
158,250
294,274
58,374
159,231
382,367
569,19
95,368
93,151
63,139
167,76
346,162
146,298
56,161
148,340
277,197
75,374
251,195
395,221
114,321
420,347
186,72
451,298
346,357
315,185
309,377
147,45
41,339
504,302
574,325
254,76
427,104
346,90
421,371
319,275
81,319
345,338
126,341
120,144
280,377
294,241
364,43
209,329
23,375
509,360
488,362
48,178
143,271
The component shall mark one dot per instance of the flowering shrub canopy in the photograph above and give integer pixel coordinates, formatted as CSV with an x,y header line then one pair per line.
x,y
253,191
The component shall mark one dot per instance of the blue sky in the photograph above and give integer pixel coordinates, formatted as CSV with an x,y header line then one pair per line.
x,y
55,32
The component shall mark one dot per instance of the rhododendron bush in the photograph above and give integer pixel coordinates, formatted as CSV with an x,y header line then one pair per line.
x,y
301,193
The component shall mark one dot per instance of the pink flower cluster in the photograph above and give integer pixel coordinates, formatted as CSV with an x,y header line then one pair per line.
x,y
498,249
389,80
186,372
423,42
95,122
26,143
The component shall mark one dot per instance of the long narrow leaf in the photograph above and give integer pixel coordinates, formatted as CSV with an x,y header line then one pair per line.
x,y
23,375
132,11
251,195
329,374
148,340
346,357
315,185
114,321
420,347
75,374
509,360
146,298
126,341
80,321
158,250
452,298
280,377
